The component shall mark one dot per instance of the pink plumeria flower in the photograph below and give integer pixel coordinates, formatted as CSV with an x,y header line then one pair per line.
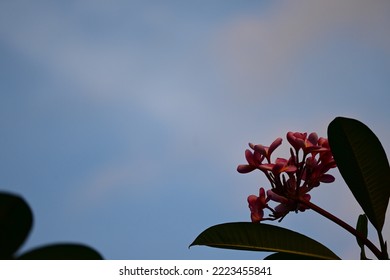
x,y
291,179
296,139
282,165
307,143
256,157
315,171
256,205
267,151
254,160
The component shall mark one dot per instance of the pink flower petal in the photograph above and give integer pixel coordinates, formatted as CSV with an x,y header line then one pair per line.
x,y
274,145
327,178
313,138
266,167
249,157
245,168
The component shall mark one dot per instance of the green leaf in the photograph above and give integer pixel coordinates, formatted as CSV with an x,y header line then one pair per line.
x,y
62,252
262,237
16,220
364,166
362,227
288,256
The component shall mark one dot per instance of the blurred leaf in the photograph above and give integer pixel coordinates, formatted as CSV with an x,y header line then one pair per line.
x,y
289,256
363,164
62,252
262,237
15,223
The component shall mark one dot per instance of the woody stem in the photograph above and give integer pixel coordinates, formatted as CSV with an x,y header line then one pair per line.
x,y
344,225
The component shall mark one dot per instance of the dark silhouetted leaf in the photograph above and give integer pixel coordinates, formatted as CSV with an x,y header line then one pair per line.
x,y
62,252
15,223
362,227
364,166
262,237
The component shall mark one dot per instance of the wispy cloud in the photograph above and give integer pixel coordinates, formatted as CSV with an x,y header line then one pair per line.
x,y
164,98
263,52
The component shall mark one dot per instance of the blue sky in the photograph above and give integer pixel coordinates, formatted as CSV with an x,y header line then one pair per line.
x,y
122,122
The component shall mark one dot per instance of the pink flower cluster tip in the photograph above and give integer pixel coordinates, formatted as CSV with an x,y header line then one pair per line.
x,y
291,179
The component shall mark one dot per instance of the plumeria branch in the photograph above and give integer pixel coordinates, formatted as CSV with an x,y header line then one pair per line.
x,y
383,245
346,226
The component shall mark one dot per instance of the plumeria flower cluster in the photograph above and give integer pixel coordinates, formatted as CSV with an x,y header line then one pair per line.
x,y
291,179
